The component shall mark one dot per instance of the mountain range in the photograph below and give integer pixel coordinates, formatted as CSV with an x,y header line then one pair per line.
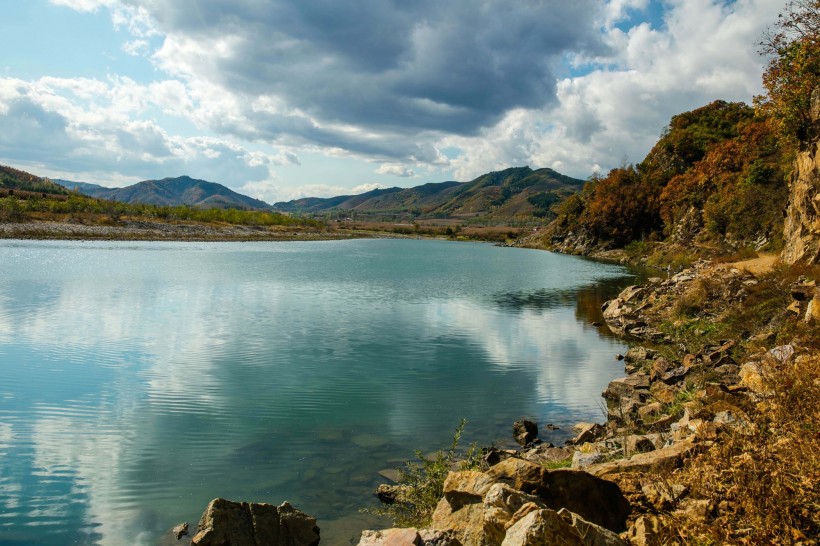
x,y
182,190
517,192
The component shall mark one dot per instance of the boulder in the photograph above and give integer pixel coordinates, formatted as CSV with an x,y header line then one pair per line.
x,y
633,386
782,353
803,291
660,460
813,311
586,432
752,377
596,500
525,432
471,525
655,408
519,474
506,503
542,527
591,534
645,531
388,494
546,527
180,530
663,393
466,487
391,537
229,523
493,455
638,354
640,444
547,455
675,375
581,459
407,537
433,537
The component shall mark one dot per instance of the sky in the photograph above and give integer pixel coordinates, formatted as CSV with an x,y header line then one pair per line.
x,y
281,99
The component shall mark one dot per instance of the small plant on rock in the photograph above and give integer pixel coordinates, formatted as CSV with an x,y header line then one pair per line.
x,y
421,483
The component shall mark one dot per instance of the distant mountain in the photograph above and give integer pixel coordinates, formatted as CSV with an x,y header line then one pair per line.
x,y
518,192
83,187
182,190
14,179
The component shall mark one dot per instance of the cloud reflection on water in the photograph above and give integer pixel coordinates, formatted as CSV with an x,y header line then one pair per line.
x,y
130,390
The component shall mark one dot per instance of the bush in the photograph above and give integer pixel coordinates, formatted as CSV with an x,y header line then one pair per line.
x,y
421,483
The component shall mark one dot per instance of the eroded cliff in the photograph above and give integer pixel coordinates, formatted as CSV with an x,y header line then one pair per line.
x,y
801,230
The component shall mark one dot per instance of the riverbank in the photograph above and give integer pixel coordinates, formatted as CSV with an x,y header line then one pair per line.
x,y
710,438
163,231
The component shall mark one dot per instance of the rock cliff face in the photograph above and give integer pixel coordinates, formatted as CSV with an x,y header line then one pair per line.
x,y
801,231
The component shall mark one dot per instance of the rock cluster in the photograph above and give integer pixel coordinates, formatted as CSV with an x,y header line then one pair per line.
x,y
806,300
228,523
517,503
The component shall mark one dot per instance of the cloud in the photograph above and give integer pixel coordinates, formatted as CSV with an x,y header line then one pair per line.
x,y
576,86
364,188
88,123
441,66
368,79
395,170
705,51
83,5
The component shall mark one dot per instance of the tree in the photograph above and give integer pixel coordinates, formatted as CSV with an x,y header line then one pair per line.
x,y
794,68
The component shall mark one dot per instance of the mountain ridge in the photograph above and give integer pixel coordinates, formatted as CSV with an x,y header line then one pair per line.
x,y
511,193
171,191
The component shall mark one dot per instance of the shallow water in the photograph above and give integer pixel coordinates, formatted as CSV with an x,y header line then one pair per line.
x,y
140,380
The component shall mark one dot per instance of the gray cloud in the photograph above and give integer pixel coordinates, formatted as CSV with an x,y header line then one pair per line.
x,y
395,67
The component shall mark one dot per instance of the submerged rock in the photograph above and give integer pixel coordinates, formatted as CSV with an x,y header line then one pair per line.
x,y
525,432
180,530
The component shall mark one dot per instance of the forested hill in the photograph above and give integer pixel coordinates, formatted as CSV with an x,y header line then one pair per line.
x,y
515,193
716,178
14,179
182,190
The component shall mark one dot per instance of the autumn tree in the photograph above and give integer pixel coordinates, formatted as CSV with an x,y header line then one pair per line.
x,y
793,45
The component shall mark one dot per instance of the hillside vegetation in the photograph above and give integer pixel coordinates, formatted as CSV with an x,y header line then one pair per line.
x,y
13,179
717,178
27,197
517,194
182,190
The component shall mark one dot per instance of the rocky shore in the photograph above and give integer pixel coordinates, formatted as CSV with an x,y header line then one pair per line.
x,y
652,474
162,231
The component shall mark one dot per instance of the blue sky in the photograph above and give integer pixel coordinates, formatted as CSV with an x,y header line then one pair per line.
x,y
282,99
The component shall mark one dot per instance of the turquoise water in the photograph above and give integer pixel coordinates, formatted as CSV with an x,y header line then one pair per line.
x,y
140,380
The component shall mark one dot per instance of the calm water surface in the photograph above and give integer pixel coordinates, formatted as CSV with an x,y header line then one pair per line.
x,y
140,380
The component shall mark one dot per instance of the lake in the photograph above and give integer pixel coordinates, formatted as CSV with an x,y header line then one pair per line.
x,y
140,380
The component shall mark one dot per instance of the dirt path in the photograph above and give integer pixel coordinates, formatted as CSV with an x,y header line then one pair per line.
x,y
758,266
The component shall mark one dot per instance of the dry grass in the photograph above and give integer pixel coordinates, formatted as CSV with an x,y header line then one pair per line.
x,y
763,487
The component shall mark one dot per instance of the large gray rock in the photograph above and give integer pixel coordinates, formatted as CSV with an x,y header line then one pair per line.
x,y
229,523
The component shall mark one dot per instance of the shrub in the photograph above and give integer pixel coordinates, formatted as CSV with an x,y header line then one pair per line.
x,y
421,483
